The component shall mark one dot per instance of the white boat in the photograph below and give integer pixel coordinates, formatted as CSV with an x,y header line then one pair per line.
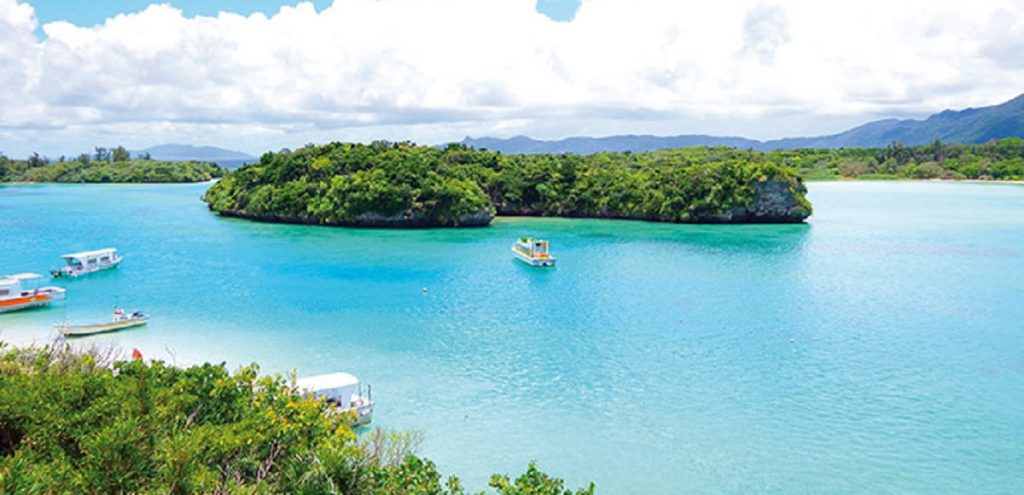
x,y
22,291
343,392
535,252
120,321
86,262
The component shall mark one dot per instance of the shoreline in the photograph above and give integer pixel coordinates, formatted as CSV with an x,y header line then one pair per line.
x,y
974,181
805,179
24,183
908,179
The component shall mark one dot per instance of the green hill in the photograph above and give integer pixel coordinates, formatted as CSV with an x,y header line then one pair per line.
x,y
403,185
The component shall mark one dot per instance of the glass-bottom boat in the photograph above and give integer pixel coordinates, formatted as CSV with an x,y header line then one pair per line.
x,y
534,252
343,393
87,262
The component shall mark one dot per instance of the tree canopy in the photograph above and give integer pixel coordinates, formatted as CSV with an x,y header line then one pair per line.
x,y
996,160
105,165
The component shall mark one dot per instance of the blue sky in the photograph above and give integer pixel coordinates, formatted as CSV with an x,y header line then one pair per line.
x,y
91,12
559,10
75,74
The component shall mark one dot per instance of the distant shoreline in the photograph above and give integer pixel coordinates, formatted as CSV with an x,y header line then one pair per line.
x,y
908,179
29,183
977,181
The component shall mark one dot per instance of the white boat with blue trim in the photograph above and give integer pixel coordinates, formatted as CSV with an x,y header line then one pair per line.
x,y
87,262
534,252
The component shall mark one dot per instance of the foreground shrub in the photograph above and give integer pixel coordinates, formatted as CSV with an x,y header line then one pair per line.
x,y
86,422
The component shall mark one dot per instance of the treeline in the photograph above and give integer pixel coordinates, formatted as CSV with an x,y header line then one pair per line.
x,y
401,184
79,423
106,165
996,160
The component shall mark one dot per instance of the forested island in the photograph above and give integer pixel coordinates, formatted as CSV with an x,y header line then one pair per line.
x,y
996,160
106,165
386,184
84,422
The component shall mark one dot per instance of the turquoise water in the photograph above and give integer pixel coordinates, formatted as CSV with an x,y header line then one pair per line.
x,y
878,349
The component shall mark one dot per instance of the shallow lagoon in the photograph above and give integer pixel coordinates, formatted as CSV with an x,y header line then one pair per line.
x,y
879,348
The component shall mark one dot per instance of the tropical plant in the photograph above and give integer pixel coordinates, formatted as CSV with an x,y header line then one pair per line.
x,y
88,422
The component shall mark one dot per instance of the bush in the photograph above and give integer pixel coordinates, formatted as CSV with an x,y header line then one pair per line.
x,y
85,422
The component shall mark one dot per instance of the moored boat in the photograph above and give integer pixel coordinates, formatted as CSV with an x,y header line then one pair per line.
x,y
86,262
121,321
15,293
534,252
343,392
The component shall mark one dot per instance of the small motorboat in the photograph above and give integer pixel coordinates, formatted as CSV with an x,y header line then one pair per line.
x,y
16,292
343,392
534,252
87,262
121,321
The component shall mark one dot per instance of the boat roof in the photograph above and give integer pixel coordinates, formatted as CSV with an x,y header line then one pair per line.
x,y
327,382
21,276
89,254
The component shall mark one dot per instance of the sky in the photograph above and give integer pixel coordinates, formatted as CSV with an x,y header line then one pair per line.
x,y
257,75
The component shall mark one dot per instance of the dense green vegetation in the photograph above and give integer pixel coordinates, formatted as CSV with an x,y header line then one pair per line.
x,y
80,423
353,184
402,184
996,160
113,165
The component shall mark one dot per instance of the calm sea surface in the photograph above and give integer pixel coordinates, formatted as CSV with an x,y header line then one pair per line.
x,y
877,349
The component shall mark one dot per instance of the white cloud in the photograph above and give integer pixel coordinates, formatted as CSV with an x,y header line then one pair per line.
x,y
433,71
765,29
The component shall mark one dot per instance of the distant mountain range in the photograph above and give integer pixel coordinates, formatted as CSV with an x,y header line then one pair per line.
x,y
970,126
186,152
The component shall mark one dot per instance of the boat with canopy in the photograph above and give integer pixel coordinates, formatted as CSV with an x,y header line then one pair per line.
x,y
87,262
534,252
343,392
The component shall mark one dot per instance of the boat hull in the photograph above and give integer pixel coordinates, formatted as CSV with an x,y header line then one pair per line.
x,y
544,262
22,303
86,330
68,272
28,300
364,414
362,409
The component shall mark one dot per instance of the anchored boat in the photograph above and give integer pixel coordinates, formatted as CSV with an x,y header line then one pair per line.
x,y
15,295
86,262
535,252
343,393
121,321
